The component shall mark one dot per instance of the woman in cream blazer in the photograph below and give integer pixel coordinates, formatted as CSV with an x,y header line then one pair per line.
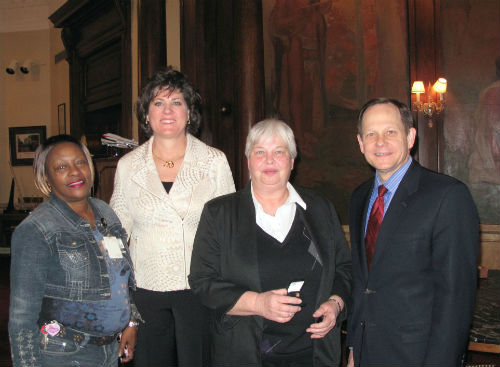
x,y
159,193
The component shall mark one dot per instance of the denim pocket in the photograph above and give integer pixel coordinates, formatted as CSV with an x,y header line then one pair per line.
x,y
74,258
73,252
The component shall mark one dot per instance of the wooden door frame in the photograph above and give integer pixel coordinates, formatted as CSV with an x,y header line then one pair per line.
x,y
247,76
425,60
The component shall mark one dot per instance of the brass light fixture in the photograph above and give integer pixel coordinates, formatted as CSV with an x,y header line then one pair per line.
x,y
429,107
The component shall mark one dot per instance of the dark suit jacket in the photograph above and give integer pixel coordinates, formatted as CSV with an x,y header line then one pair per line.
x,y
224,266
414,306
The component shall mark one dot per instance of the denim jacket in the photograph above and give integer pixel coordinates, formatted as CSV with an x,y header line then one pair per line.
x,y
54,254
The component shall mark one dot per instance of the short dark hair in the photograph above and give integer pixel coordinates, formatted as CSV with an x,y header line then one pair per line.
x,y
42,152
404,112
169,79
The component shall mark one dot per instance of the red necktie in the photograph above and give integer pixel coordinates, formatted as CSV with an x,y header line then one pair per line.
x,y
374,222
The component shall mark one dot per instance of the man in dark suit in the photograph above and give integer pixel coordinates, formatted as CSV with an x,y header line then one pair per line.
x,y
414,273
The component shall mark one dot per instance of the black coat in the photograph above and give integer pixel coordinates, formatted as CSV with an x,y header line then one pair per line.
x,y
414,306
224,266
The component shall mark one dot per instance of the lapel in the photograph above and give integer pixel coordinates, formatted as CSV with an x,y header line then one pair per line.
x,y
310,221
395,211
193,170
247,236
360,221
145,175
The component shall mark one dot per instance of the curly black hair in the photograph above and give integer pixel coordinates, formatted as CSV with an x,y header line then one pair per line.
x,y
169,79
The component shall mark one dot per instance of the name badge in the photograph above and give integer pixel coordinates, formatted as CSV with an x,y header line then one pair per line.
x,y
113,246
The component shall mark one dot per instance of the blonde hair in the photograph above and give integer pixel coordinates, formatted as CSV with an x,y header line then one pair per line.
x,y
41,154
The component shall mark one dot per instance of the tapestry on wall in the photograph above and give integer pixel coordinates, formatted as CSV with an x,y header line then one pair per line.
x,y
324,60
471,63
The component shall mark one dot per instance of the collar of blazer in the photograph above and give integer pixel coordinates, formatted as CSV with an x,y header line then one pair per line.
x,y
190,173
396,210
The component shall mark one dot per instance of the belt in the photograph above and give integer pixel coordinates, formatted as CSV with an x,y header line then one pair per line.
x,y
57,330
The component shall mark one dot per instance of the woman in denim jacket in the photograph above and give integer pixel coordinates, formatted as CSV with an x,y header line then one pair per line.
x,y
70,270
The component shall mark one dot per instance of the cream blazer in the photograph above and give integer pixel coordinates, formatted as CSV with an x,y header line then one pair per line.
x,y
161,226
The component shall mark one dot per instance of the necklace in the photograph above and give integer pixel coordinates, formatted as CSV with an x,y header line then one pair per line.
x,y
167,163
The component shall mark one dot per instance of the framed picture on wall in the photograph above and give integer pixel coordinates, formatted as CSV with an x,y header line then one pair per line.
x,y
61,118
23,142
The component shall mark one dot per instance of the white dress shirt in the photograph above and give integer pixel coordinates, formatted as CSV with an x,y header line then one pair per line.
x,y
279,225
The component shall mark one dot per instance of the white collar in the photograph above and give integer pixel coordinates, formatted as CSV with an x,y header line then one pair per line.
x,y
278,225
293,197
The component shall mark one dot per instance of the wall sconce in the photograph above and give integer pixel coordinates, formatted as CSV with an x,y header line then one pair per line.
x,y
12,67
429,108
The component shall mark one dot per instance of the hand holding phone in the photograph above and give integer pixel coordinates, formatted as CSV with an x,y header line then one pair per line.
x,y
294,290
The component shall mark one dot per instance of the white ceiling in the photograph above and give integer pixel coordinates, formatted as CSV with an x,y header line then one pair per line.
x,y
26,15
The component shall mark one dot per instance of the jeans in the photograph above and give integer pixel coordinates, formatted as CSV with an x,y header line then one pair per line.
x,y
59,352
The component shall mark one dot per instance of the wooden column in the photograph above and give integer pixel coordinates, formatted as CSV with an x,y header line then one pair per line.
x,y
248,73
222,53
152,42
425,65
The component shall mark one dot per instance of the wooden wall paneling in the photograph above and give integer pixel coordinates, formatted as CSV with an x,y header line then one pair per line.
x,y
222,53
207,68
102,84
199,57
105,170
207,59
227,125
126,72
438,72
96,35
425,65
216,81
152,42
248,74
76,110
192,24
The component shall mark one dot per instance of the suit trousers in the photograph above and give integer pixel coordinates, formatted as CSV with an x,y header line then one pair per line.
x,y
175,332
